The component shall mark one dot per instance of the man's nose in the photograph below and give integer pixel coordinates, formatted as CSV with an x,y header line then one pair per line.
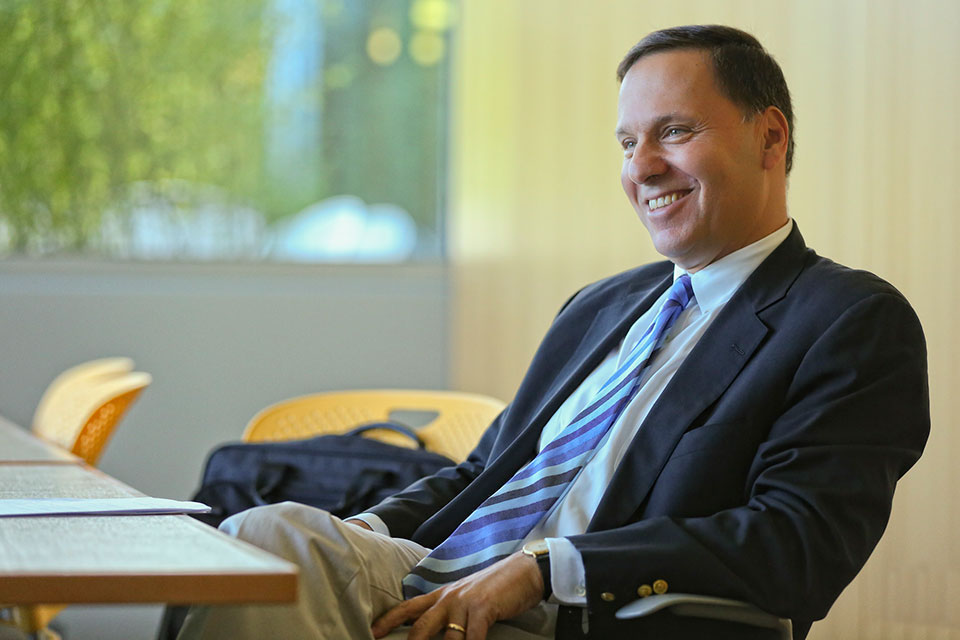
x,y
646,163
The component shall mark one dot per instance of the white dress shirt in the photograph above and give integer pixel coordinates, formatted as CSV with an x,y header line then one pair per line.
x,y
713,286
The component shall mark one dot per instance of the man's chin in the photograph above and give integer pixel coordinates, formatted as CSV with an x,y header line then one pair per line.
x,y
670,247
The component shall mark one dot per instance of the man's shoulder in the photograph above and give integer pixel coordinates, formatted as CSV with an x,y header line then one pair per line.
x,y
825,278
797,273
824,293
636,280
646,275
819,280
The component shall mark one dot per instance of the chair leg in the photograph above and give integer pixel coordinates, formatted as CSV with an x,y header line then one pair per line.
x,y
31,620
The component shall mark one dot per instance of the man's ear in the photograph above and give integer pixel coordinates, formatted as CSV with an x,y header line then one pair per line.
x,y
776,134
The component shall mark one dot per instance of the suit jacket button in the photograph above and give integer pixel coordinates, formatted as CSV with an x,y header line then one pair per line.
x,y
644,590
660,587
606,596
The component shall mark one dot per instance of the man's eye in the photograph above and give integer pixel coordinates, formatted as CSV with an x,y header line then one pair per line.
x,y
628,145
673,132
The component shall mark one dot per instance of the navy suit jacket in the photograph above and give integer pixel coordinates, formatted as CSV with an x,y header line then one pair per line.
x,y
764,472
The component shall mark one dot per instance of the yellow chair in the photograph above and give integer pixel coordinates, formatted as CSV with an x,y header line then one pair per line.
x,y
63,383
32,620
83,405
456,420
79,411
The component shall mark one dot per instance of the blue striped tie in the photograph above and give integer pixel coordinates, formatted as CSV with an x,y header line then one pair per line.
x,y
499,525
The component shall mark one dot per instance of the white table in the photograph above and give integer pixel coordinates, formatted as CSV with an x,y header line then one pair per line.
x,y
117,559
19,445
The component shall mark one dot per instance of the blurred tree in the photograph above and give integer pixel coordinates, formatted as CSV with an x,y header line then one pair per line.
x,y
98,94
109,107
390,142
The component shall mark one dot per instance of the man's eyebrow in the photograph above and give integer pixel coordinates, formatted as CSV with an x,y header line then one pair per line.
x,y
659,122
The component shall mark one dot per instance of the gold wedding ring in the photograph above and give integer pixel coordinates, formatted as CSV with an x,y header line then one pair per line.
x,y
453,626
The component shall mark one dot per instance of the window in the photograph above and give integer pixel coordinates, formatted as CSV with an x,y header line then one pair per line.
x,y
294,130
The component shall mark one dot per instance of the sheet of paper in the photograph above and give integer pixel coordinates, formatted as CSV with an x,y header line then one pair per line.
x,y
11,507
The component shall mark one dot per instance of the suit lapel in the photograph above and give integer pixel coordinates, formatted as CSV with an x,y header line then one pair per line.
x,y
588,348
608,329
610,325
706,373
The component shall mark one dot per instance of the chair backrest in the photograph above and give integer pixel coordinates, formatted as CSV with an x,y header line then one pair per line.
x,y
77,375
83,405
454,424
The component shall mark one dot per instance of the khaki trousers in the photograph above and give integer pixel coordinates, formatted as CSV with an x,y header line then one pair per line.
x,y
348,577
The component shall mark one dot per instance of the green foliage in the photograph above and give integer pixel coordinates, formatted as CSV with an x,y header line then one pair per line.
x,y
389,145
104,101
98,94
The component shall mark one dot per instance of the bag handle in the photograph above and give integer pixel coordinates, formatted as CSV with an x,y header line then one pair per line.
x,y
390,426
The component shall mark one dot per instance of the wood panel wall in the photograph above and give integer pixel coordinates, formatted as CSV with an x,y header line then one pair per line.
x,y
537,212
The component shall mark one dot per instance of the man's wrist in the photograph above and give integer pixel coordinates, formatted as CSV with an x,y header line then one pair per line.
x,y
540,552
360,523
372,521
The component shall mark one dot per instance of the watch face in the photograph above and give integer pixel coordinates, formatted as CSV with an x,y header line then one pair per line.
x,y
536,548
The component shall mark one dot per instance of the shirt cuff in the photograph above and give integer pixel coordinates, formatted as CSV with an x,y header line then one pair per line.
x,y
567,575
378,525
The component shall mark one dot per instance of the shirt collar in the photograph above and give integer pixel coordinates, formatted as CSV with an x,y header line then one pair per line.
x,y
718,281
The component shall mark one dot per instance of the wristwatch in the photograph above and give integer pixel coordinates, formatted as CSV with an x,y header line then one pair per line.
x,y
539,551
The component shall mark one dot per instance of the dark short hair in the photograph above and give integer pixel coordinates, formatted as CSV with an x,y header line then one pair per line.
x,y
745,72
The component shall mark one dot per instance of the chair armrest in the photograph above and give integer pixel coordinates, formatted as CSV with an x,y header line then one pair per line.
x,y
686,604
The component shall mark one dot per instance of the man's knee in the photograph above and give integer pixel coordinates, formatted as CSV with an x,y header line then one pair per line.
x,y
265,526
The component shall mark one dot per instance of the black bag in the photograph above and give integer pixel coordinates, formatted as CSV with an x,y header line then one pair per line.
x,y
343,474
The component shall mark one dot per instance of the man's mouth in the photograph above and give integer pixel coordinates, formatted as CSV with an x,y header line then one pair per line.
x,y
661,201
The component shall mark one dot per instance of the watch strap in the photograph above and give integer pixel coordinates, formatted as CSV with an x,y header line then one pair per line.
x,y
543,563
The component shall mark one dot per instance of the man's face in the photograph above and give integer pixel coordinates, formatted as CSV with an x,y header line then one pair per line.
x,y
693,166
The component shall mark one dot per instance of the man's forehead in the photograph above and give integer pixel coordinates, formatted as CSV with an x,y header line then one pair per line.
x,y
679,69
668,84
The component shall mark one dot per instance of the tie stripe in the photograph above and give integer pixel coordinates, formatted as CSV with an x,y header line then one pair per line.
x,y
499,525
528,489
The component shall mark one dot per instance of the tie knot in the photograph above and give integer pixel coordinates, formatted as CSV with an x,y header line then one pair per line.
x,y
682,291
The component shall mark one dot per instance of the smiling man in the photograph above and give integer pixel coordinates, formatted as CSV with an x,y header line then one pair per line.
x,y
698,169
729,422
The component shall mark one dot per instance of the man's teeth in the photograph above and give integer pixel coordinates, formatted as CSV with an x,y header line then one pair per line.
x,y
662,201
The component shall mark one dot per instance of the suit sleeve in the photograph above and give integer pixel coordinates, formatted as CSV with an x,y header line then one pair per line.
x,y
854,419
404,512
